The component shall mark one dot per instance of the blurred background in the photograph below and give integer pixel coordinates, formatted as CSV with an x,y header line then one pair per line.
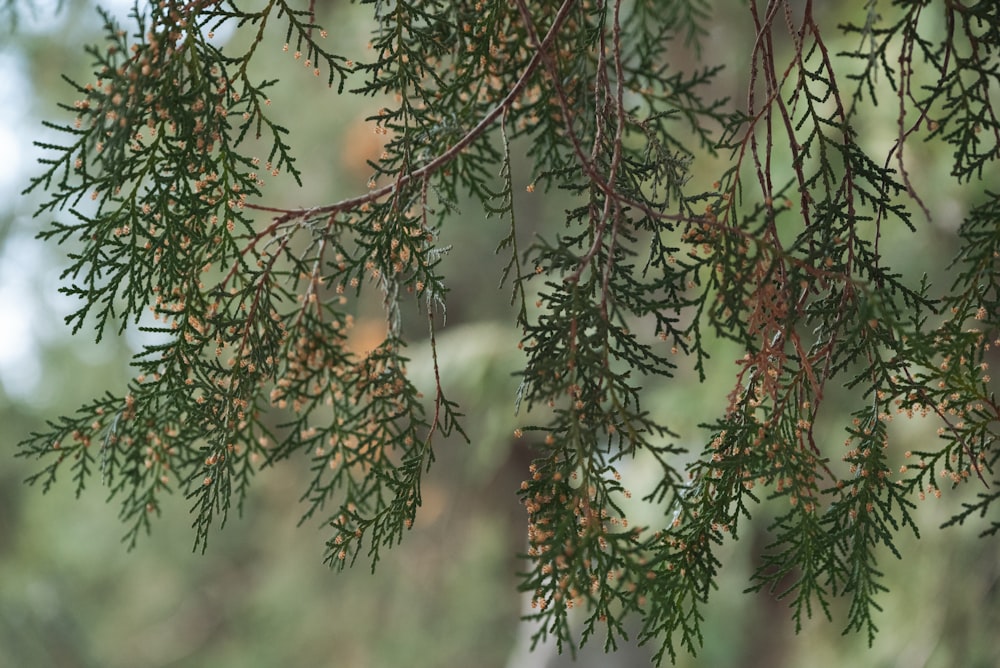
x,y
70,594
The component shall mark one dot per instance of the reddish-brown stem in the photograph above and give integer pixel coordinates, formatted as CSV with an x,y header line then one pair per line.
x,y
446,156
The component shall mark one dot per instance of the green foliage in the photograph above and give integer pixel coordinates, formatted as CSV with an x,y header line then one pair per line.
x,y
782,253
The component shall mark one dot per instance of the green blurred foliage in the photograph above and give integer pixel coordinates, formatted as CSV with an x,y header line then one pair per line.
x,y
70,595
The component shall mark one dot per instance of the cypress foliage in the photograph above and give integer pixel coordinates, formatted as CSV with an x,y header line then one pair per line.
x,y
163,202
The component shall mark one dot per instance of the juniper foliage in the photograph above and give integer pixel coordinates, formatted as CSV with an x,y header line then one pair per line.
x,y
162,202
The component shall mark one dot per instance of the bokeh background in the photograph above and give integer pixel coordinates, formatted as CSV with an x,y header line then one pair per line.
x,y
71,596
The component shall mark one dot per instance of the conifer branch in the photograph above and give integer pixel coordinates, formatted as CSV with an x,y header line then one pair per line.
x,y
645,272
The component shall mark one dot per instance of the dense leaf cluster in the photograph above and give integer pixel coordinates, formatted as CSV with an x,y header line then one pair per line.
x,y
782,255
